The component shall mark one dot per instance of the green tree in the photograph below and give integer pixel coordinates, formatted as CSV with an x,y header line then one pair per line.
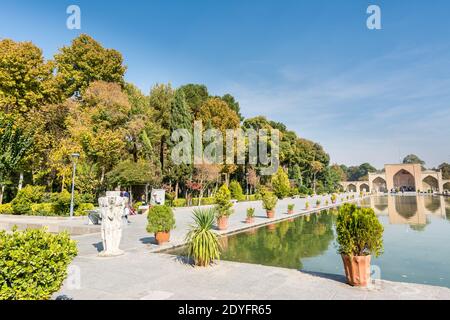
x,y
445,168
196,95
280,184
233,104
86,61
14,143
236,190
181,118
412,158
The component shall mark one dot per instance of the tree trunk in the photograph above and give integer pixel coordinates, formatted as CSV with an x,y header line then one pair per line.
x,y
19,187
2,191
102,178
314,183
176,190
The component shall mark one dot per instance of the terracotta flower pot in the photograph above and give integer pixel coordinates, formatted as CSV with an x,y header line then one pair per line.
x,y
249,220
290,211
162,237
271,227
222,223
270,214
357,270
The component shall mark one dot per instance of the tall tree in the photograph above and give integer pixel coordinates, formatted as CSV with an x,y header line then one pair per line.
x,y
86,61
161,97
181,118
195,95
14,143
233,105
412,158
26,80
445,168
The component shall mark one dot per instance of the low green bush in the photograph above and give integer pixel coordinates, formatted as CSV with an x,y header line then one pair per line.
x,y
359,232
83,208
160,219
61,202
6,208
42,209
179,203
33,263
28,195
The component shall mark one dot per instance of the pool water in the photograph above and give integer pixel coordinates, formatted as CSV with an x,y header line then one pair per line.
x,y
416,241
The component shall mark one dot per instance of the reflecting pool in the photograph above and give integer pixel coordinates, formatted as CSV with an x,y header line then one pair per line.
x,y
416,241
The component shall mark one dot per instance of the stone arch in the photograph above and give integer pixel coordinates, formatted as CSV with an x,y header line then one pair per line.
x,y
430,183
351,187
404,180
447,186
364,187
379,184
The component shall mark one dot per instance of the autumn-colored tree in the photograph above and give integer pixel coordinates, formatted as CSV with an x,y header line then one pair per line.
x,y
86,61
26,80
216,114
204,175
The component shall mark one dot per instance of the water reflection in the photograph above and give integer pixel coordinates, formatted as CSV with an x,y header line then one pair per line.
x,y
409,210
284,244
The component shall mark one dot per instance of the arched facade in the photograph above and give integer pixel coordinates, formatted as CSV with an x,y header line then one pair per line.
x,y
430,183
364,187
446,186
400,177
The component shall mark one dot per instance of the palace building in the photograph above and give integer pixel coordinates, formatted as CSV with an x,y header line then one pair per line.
x,y
400,177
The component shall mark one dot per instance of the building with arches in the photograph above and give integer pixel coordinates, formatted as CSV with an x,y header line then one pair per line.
x,y
402,177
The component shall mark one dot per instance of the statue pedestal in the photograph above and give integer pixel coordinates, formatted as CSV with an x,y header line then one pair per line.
x,y
111,210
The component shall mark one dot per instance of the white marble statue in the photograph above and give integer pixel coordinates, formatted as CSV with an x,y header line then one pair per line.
x,y
111,211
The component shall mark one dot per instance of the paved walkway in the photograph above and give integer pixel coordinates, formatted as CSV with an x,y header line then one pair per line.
x,y
144,274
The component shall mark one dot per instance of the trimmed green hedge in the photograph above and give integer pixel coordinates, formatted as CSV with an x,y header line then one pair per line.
x,y
6,208
33,263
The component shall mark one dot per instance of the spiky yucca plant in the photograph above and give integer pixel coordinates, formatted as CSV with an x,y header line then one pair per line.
x,y
203,243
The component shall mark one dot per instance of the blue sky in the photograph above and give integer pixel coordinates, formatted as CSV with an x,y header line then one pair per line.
x,y
365,95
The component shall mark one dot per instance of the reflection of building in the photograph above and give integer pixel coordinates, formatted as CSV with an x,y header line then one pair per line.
x,y
412,210
406,177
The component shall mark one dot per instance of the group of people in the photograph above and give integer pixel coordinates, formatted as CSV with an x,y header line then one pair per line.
x,y
129,210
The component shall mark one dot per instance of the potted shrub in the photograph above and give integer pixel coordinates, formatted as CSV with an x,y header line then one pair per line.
x,y
203,244
359,235
250,215
160,221
306,205
269,204
291,208
318,202
223,207
327,202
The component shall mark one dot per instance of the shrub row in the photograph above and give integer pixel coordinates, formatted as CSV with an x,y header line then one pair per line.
x,y
33,200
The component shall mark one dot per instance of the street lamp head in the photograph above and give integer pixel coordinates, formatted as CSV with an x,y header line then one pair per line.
x,y
75,155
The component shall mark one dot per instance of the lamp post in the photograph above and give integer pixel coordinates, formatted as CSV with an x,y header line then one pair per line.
x,y
75,157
